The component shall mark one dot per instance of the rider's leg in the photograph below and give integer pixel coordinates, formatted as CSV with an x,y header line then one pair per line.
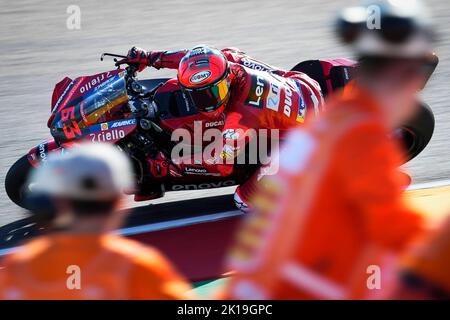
x,y
151,187
245,193
159,167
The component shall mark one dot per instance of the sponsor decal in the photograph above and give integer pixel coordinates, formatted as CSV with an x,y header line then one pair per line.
x,y
230,134
202,62
218,184
200,76
258,91
95,82
213,124
255,65
287,101
186,101
273,98
228,152
123,123
301,104
112,125
107,136
42,151
83,112
197,51
109,81
193,170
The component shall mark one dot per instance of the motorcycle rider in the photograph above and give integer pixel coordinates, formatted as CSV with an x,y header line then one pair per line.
x,y
79,257
344,166
227,85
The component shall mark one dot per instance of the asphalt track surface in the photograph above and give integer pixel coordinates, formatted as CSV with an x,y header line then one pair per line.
x,y
37,50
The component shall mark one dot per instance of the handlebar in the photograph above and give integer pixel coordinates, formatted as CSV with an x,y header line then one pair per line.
x,y
132,68
112,55
132,84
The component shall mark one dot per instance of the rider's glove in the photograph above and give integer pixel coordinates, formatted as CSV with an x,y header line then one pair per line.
x,y
160,166
136,56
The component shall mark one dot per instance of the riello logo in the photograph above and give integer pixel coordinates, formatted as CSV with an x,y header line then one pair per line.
x,y
200,76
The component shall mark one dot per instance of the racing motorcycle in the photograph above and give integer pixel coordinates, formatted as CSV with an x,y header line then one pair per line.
x,y
139,115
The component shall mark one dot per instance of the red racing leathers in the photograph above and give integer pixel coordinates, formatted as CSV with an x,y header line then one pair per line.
x,y
262,97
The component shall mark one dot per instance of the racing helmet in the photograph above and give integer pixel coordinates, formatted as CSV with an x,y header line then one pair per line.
x,y
203,78
85,172
388,28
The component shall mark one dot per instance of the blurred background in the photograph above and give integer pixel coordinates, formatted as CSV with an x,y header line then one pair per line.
x,y
37,50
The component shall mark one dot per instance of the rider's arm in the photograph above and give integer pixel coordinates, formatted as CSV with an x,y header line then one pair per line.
x,y
171,59
219,160
237,56
166,59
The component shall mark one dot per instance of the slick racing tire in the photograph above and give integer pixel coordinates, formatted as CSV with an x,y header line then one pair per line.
x,y
16,179
416,133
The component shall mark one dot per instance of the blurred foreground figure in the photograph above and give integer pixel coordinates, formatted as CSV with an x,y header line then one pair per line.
x,y
80,258
426,268
333,217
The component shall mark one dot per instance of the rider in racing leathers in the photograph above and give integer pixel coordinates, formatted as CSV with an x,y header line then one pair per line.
x,y
251,95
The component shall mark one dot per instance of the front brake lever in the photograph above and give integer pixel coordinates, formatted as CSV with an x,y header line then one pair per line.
x,y
112,55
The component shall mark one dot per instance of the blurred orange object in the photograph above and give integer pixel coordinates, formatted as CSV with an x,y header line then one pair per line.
x,y
108,267
428,262
334,209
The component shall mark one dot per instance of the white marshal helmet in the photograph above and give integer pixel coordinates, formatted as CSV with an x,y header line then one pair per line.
x,y
389,28
86,172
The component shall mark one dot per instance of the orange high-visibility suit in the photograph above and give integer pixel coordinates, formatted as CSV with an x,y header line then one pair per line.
x,y
64,266
330,213
429,262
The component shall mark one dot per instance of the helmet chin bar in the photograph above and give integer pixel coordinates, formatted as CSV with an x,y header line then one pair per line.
x,y
216,113
214,96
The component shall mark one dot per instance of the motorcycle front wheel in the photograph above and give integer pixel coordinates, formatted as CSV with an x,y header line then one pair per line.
x,y
16,179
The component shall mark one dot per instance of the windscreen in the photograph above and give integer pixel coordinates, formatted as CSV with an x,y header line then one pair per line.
x,y
95,101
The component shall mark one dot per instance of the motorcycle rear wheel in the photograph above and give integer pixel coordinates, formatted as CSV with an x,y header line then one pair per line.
x,y
416,133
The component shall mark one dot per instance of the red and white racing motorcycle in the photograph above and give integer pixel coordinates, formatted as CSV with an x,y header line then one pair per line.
x,y
98,108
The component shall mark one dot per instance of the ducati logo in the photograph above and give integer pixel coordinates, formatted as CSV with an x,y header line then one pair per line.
x,y
214,124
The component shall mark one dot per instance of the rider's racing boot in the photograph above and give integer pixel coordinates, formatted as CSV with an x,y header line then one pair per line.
x,y
242,196
241,203
150,189
158,167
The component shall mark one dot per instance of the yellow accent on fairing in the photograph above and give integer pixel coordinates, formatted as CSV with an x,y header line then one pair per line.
x,y
94,116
